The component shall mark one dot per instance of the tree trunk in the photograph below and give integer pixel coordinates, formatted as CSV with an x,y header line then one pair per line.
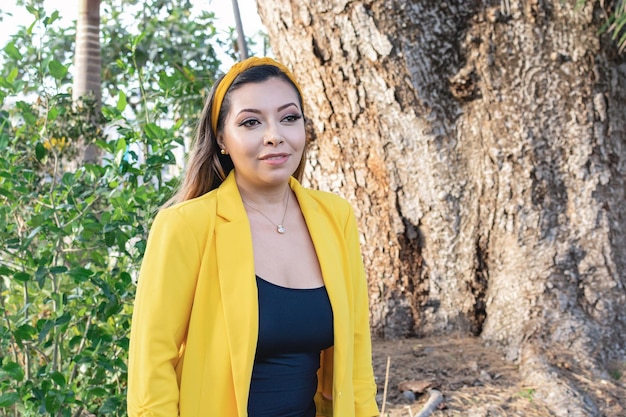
x,y
483,146
87,59
88,66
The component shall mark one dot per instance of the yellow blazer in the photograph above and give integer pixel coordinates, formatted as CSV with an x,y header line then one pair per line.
x,y
195,320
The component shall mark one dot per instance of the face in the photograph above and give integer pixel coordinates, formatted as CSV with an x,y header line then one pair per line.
x,y
264,133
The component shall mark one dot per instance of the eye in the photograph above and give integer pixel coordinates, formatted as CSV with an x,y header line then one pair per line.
x,y
290,118
249,122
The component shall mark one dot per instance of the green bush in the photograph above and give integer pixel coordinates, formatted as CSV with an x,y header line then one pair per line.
x,y
73,233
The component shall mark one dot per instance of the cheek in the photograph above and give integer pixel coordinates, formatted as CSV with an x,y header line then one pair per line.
x,y
237,143
247,149
301,138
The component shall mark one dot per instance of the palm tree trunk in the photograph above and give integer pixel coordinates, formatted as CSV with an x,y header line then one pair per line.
x,y
87,59
88,65
241,38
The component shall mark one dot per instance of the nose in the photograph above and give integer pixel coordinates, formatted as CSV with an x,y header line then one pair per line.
x,y
273,136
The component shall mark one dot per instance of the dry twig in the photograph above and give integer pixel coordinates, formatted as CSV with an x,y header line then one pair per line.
x,y
382,412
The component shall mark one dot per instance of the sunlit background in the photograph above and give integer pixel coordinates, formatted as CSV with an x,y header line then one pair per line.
x,y
16,16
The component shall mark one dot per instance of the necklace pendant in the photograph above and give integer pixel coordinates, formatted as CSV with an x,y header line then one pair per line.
x,y
281,229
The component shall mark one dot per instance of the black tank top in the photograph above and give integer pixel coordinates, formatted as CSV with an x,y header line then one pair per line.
x,y
295,325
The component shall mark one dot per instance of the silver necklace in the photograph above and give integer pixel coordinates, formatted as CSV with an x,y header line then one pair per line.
x,y
280,228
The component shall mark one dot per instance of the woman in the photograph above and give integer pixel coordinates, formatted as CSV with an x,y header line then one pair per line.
x,y
252,298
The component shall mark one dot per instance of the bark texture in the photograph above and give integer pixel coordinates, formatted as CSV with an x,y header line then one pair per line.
x,y
87,59
87,77
483,146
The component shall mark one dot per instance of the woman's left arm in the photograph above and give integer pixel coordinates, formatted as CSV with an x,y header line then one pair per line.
x,y
363,374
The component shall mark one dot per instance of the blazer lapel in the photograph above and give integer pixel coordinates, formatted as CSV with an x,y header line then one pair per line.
x,y
237,285
327,235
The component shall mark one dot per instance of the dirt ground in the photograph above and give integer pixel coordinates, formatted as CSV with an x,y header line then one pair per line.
x,y
475,380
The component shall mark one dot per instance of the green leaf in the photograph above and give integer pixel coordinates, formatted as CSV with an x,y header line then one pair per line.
x,y
110,406
40,151
30,29
68,179
33,233
12,75
51,403
7,399
5,83
45,326
22,276
136,40
51,19
121,64
40,274
13,370
58,378
12,51
65,318
80,274
53,113
120,151
109,238
98,392
58,269
7,194
33,11
165,81
154,132
24,332
38,220
121,101
57,70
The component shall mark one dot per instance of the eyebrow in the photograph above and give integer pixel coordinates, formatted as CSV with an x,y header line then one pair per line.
x,y
281,108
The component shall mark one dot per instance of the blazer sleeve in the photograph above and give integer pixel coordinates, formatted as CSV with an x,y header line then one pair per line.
x,y
363,374
165,291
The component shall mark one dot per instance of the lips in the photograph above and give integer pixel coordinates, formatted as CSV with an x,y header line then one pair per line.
x,y
274,156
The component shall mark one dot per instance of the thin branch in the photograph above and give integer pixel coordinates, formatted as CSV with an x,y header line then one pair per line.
x,y
26,312
382,412
81,346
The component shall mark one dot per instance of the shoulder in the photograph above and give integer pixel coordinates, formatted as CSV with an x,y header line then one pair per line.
x,y
327,199
194,214
324,202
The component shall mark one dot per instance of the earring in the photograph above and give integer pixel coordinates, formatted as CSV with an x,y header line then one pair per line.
x,y
222,151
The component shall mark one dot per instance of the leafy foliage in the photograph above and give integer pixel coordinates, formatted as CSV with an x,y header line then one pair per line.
x,y
616,23
170,59
74,233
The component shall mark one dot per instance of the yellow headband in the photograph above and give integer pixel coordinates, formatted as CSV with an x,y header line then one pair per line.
x,y
230,76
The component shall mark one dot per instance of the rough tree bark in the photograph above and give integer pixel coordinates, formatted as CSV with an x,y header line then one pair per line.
x,y
483,145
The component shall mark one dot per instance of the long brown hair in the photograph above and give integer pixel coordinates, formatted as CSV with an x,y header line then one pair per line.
x,y
207,168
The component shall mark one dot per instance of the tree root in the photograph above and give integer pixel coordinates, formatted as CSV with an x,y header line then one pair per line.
x,y
553,387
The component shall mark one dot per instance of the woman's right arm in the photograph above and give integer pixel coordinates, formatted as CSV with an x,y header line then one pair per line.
x,y
165,292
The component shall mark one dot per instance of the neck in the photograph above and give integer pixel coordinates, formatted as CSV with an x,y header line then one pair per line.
x,y
260,197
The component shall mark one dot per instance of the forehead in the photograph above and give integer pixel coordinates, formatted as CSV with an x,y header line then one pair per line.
x,y
268,93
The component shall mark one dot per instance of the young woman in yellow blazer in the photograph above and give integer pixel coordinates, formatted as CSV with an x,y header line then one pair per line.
x,y
252,298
